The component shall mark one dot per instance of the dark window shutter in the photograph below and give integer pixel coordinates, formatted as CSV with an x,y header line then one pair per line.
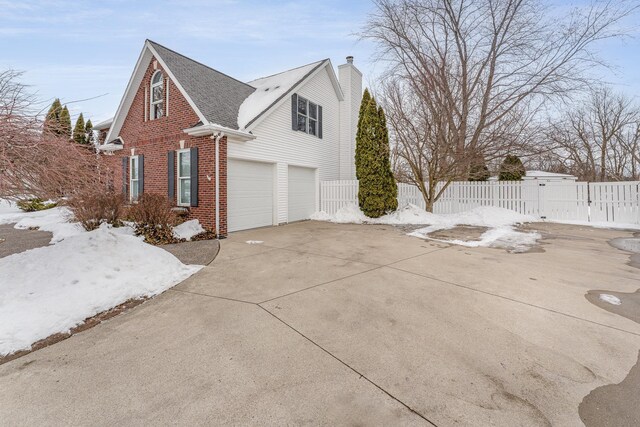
x,y
294,111
171,175
125,164
140,174
194,176
319,122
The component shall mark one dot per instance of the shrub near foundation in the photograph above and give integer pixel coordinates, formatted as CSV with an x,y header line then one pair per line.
x,y
154,219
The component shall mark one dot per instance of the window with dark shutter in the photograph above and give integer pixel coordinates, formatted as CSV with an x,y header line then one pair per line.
x,y
140,175
171,175
294,111
125,164
194,176
307,116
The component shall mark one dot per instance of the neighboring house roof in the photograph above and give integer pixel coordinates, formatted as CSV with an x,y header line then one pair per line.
x,y
216,95
105,124
535,174
544,174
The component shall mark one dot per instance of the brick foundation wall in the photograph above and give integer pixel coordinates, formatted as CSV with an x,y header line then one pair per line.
x,y
154,138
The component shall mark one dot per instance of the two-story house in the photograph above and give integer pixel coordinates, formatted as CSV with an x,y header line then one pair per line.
x,y
234,155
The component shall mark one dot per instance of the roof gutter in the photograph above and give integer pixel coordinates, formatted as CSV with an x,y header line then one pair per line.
x,y
211,129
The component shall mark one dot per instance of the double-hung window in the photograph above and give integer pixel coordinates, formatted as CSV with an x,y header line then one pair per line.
x,y
307,116
134,178
184,177
157,96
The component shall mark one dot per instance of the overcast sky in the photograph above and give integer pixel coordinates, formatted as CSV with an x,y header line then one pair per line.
x,y
83,49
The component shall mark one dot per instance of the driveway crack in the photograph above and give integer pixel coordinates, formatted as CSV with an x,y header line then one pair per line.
x,y
360,374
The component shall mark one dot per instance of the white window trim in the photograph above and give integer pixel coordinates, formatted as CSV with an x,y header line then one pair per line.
x,y
180,178
134,181
308,116
153,103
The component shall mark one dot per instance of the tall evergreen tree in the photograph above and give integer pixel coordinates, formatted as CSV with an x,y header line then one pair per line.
x,y
511,169
79,131
90,139
65,123
361,131
377,190
52,120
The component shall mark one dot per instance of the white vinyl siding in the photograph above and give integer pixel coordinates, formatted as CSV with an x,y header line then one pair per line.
x,y
277,143
249,194
302,193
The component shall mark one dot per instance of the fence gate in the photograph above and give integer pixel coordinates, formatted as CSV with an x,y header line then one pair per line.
x,y
563,200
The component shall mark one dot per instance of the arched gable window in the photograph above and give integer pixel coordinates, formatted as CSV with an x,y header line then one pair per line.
x,y
157,95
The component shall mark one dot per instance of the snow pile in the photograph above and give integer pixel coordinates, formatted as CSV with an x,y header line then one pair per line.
x,y
254,242
52,289
188,229
500,222
268,90
611,299
350,214
54,220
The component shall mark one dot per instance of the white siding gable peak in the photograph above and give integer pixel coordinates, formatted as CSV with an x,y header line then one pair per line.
x,y
272,91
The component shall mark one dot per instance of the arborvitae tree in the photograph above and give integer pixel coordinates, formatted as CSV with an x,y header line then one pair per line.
x,y
52,120
90,138
79,131
377,190
361,130
511,169
478,171
65,123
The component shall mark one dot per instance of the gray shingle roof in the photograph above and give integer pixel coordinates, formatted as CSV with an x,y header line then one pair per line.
x,y
217,96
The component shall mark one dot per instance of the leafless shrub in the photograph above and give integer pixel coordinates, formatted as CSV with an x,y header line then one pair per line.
x,y
92,208
154,219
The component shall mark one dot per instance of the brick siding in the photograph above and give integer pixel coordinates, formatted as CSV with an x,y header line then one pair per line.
x,y
154,138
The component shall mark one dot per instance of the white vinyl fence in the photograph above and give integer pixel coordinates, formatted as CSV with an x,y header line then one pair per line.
x,y
613,202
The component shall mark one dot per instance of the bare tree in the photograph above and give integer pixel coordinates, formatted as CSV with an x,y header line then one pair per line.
x,y
34,163
598,139
466,78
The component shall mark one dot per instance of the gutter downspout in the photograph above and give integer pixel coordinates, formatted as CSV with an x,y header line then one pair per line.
x,y
217,138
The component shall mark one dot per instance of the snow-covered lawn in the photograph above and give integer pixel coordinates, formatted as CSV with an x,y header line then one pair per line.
x,y
55,288
500,223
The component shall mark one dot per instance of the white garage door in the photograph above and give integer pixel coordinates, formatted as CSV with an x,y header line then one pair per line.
x,y
249,194
302,193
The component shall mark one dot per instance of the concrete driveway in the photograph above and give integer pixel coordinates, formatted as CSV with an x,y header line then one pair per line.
x,y
349,324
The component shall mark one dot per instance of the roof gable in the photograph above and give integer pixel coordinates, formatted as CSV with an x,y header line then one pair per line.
x,y
216,95
272,90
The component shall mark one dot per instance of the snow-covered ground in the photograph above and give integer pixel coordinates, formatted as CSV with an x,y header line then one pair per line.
x,y
500,223
188,229
54,288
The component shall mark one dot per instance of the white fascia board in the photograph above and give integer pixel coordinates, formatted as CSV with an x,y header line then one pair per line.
x,y
335,82
103,124
110,147
285,98
211,129
147,53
